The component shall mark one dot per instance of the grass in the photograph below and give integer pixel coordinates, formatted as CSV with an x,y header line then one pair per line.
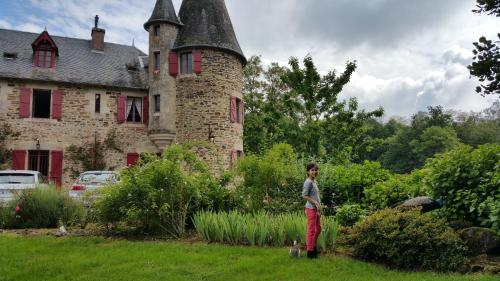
x,y
50,258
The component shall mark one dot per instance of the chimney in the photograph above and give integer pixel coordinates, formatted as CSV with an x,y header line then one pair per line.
x,y
97,42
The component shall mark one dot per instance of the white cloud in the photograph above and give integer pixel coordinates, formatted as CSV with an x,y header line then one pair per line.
x,y
410,54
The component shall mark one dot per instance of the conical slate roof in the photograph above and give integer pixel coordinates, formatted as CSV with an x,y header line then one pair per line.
x,y
163,12
207,25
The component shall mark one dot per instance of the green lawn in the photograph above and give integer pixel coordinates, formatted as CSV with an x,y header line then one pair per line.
x,y
96,259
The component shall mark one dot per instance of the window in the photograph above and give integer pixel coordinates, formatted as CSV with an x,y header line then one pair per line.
x,y
134,107
157,61
97,103
38,160
157,103
156,30
187,63
44,55
41,103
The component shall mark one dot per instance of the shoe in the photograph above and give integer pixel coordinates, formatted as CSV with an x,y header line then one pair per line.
x,y
316,252
310,255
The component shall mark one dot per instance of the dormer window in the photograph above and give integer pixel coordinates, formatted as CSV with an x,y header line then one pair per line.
x,y
45,51
44,56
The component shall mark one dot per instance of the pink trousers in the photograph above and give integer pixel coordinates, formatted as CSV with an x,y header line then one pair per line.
x,y
313,228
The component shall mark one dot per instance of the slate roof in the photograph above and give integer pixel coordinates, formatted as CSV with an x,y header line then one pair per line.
x,y
77,62
207,24
163,12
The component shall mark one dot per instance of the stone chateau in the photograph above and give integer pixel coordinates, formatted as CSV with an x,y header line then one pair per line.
x,y
59,91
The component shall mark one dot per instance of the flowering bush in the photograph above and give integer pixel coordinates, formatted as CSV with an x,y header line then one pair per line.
x,y
158,196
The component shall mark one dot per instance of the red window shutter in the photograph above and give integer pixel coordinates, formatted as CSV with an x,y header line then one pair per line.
x,y
35,58
145,110
233,112
53,59
173,63
57,104
197,61
56,159
24,106
120,112
19,159
132,159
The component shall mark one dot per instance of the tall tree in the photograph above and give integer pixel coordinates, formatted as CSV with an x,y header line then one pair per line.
x,y
486,64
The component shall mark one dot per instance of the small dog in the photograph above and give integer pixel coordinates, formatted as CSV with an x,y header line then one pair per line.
x,y
294,250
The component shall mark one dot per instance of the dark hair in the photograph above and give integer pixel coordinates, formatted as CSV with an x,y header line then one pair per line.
x,y
311,166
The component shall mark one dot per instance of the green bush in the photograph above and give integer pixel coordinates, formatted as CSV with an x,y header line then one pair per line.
x,y
408,240
346,184
277,174
42,208
158,196
469,181
392,191
261,229
349,214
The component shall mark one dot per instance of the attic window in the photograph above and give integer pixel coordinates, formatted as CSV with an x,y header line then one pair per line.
x,y
44,55
10,56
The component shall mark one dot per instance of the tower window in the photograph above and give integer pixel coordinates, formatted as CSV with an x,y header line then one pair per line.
x,y
97,103
134,109
157,103
157,61
187,63
156,30
41,103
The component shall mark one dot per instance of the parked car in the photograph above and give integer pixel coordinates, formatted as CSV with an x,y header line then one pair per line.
x,y
91,181
12,182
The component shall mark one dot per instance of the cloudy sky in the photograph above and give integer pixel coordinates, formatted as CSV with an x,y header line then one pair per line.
x,y
410,54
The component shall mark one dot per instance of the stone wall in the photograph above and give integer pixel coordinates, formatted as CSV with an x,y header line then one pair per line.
x,y
204,99
79,123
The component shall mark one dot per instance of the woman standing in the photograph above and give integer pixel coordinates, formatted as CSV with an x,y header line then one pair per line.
x,y
310,193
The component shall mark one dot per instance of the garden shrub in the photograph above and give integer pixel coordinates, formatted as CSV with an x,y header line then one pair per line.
x,y
42,208
341,184
158,196
392,191
408,240
349,214
469,181
272,181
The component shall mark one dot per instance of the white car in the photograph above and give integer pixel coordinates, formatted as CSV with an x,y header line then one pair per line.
x,y
12,182
90,181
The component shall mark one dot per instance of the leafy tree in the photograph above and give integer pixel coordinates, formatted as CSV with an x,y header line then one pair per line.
x,y
486,65
300,107
433,140
479,128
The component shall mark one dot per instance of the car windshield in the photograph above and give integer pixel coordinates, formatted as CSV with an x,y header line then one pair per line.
x,y
102,178
15,178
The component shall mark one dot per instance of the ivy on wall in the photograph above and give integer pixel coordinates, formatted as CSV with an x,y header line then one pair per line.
x,y
91,154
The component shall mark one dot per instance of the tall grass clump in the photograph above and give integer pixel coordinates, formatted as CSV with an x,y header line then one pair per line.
x,y
261,229
41,208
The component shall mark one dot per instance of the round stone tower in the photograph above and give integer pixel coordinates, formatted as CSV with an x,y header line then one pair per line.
x,y
162,26
210,81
